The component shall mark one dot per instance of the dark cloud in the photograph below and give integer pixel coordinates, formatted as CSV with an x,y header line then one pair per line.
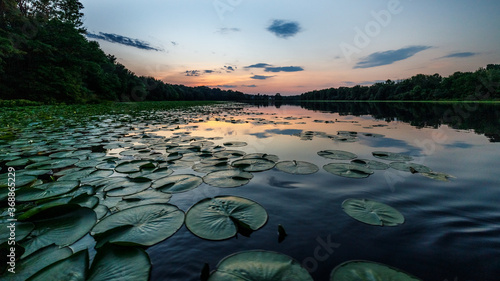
x,y
389,57
284,29
260,77
259,65
249,86
460,55
192,73
226,30
284,69
227,86
229,68
174,43
127,41
208,71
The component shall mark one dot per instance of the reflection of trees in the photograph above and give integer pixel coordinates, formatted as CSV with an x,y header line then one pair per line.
x,y
482,118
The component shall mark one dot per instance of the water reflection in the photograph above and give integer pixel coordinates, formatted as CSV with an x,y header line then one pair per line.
x,y
480,117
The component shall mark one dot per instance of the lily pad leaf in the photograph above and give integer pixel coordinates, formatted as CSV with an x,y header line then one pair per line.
x,y
219,218
142,225
391,156
266,156
61,225
21,180
177,183
114,263
52,164
437,176
229,154
373,213
259,265
132,166
227,178
297,167
253,165
47,190
369,271
410,167
22,229
126,186
348,170
337,154
235,144
370,164
73,268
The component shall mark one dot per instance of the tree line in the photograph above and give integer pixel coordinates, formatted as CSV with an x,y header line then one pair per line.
x,y
45,57
483,84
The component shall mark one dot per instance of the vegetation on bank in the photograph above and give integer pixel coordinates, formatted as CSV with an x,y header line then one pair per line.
x,y
45,58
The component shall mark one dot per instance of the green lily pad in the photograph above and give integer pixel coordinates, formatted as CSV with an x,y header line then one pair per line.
x,y
114,263
52,164
42,258
370,164
61,225
37,209
159,173
222,217
22,229
369,271
132,166
348,170
72,268
227,178
18,162
253,165
212,166
410,167
337,154
46,190
371,212
391,156
270,157
143,225
235,144
297,167
147,197
229,154
437,176
177,183
260,265
20,181
125,186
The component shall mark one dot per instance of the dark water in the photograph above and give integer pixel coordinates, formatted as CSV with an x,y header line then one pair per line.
x,y
452,229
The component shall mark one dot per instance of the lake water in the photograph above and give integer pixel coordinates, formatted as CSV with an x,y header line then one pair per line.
x,y
451,229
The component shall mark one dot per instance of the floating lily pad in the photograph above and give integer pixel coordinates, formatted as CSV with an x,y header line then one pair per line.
x,y
114,263
73,268
410,167
44,191
61,225
371,212
348,170
133,166
222,217
235,144
22,229
297,167
52,164
337,154
212,166
177,183
266,156
227,178
391,156
143,225
20,181
229,154
126,186
370,164
147,197
253,165
369,271
260,265
437,176
159,173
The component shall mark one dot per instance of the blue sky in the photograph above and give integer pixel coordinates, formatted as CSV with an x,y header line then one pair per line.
x,y
291,47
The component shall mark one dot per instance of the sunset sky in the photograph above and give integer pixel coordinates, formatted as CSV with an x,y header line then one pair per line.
x,y
291,47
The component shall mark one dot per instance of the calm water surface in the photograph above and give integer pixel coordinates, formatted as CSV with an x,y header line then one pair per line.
x,y
452,229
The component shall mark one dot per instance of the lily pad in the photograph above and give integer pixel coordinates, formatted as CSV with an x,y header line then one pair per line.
x,y
52,164
391,156
73,268
132,166
113,263
348,170
212,166
22,229
260,265
373,213
297,167
222,217
227,178
143,225
253,165
235,144
126,186
266,156
437,176
410,167
369,271
147,197
229,154
370,164
20,181
177,183
46,190
337,154
61,225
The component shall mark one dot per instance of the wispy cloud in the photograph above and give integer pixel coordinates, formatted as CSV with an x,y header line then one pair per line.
x,y
389,57
261,77
192,73
249,86
284,29
174,43
226,30
258,65
459,55
208,71
227,86
229,68
284,69
127,41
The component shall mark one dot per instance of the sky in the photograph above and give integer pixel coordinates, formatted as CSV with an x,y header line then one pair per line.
x,y
292,47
